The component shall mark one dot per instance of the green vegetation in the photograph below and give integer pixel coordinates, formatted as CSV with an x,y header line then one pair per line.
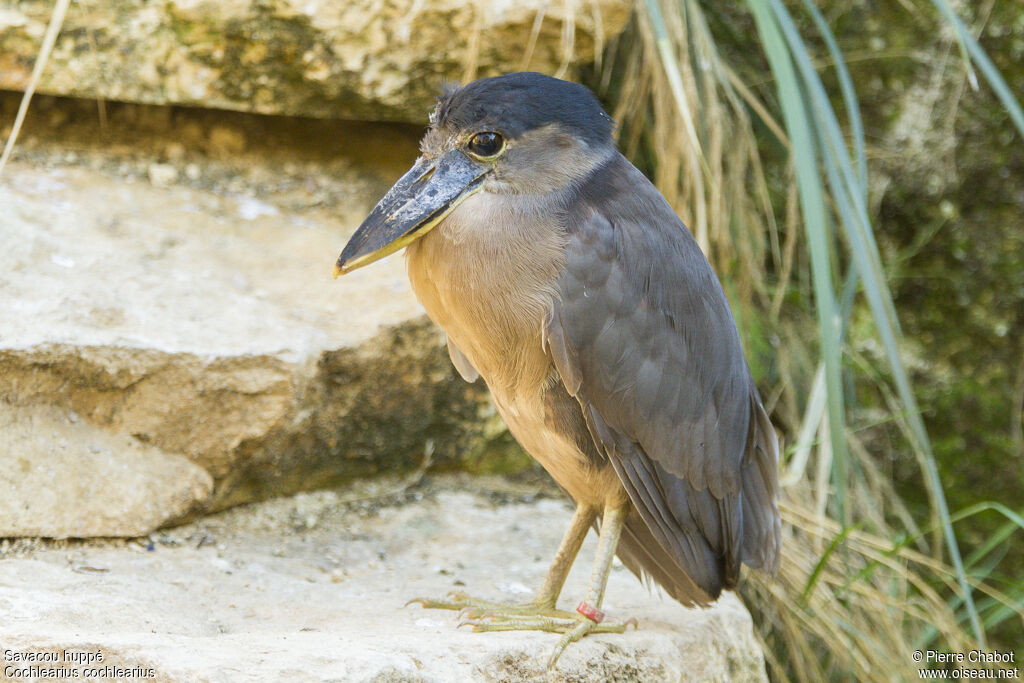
x,y
816,160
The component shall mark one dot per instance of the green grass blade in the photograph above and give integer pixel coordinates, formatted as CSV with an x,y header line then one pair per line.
x,y
848,91
1000,611
1015,521
992,541
805,441
971,510
988,69
823,560
812,204
851,205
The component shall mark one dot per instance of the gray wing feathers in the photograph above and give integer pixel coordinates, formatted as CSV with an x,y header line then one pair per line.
x,y
677,361
642,336
762,524
643,555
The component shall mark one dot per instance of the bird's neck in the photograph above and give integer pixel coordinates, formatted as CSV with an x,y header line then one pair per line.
x,y
486,275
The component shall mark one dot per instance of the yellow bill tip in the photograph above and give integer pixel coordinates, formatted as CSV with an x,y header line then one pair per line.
x,y
338,270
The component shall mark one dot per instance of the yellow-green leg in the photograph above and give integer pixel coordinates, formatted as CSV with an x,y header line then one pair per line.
x,y
611,529
540,613
568,549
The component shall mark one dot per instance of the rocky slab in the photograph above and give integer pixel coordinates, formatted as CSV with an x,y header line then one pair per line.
x,y
313,588
363,59
160,331
64,477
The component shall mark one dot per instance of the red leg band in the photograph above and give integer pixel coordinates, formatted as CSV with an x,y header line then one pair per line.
x,y
592,613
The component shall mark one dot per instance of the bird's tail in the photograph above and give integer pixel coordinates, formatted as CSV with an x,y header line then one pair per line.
x,y
643,555
757,547
762,526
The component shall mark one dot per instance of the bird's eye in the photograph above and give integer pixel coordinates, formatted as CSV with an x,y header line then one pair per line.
x,y
486,145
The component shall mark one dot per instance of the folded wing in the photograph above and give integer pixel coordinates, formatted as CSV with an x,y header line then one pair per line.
x,y
643,337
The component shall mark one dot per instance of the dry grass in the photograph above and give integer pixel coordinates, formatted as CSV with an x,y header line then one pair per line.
x,y
706,146
853,603
49,40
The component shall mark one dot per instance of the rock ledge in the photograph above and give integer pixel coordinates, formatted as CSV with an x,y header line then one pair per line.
x,y
310,588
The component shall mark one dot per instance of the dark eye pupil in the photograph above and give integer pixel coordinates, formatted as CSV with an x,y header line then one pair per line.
x,y
485,144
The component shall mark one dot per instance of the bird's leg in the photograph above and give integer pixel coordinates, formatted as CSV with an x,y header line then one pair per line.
x,y
543,604
582,519
588,617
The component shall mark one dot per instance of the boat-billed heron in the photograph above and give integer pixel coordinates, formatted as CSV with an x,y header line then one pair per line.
x,y
565,280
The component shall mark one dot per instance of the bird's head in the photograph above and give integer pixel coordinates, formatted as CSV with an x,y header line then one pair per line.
x,y
518,134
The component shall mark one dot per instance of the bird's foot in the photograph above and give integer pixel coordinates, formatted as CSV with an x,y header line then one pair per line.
x,y
571,626
475,608
537,615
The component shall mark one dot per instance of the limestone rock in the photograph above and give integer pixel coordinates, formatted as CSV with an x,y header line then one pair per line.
x,y
196,333
359,60
311,588
63,477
